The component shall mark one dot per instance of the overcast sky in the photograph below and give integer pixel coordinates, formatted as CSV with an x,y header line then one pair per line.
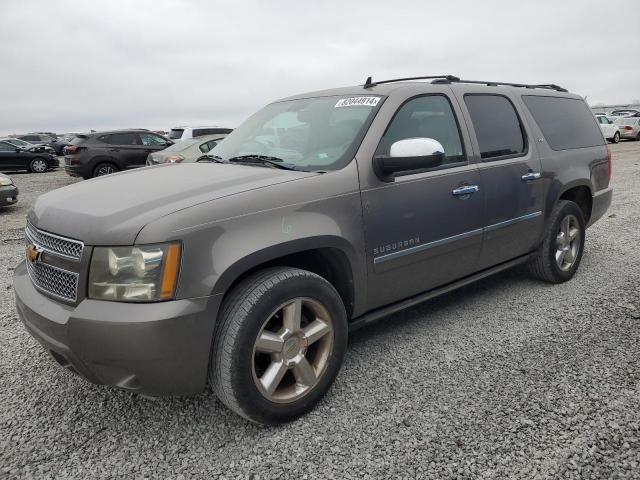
x,y
77,65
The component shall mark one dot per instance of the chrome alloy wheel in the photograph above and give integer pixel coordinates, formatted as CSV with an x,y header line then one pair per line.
x,y
292,350
568,242
39,166
105,170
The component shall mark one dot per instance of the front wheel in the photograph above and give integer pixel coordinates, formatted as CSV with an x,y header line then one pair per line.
x,y
559,255
38,165
616,137
279,344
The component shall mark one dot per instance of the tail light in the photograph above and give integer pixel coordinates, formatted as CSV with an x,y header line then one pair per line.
x,y
628,128
72,149
609,165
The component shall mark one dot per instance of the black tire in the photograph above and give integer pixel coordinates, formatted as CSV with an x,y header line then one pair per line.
x,y
616,137
544,265
243,315
38,165
104,168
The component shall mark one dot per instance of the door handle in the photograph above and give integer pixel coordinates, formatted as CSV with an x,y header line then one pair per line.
x,y
114,149
527,177
465,190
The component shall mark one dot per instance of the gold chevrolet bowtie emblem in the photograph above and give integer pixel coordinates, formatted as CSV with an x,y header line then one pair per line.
x,y
32,253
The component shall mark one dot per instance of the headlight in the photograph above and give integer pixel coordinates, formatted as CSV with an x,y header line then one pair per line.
x,y
134,274
5,181
174,159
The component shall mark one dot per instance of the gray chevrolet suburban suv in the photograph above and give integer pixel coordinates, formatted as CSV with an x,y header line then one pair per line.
x,y
324,211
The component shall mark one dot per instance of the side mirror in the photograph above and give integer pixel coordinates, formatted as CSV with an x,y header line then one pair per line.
x,y
408,155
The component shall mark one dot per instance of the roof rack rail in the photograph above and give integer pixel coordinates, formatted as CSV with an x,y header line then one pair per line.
x,y
436,79
550,86
370,83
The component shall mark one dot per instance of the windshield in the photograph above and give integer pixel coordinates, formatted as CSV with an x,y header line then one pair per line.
x,y
19,143
319,133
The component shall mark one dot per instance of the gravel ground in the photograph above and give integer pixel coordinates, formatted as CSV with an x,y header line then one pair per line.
x,y
507,378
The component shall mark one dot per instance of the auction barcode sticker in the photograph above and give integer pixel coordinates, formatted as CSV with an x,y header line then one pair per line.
x,y
357,102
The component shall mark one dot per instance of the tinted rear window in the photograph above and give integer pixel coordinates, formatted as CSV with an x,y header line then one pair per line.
x,y
497,126
566,123
199,132
176,133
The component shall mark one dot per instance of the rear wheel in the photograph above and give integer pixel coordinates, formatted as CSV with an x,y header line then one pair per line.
x,y
616,137
38,165
279,344
559,255
103,169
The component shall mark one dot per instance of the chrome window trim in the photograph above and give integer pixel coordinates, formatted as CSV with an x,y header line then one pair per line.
x,y
454,238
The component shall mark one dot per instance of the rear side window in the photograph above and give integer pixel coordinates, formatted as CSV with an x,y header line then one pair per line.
x,y
207,146
566,123
5,147
497,126
176,133
153,140
124,139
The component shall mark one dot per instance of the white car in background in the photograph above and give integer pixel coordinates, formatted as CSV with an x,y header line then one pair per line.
x,y
178,134
629,127
609,129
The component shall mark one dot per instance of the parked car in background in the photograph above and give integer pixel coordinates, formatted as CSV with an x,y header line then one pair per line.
x,y
61,142
13,157
184,133
609,129
8,191
247,273
101,153
629,127
29,146
625,113
185,151
38,139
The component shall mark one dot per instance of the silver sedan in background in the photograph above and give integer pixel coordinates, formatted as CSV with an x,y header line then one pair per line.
x,y
629,127
185,151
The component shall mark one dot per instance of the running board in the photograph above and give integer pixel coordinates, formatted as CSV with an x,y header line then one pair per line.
x,y
376,315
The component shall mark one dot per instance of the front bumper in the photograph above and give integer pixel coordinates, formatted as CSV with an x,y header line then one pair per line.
x,y
155,349
8,195
601,201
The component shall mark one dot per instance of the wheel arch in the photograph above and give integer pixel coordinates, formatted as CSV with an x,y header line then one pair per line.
x,y
581,194
328,258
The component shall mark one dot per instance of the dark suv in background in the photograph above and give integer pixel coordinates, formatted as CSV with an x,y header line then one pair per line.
x,y
101,153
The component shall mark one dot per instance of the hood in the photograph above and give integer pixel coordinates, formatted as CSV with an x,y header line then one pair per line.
x,y
112,210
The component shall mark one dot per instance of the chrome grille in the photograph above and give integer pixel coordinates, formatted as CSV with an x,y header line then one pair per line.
x,y
53,280
65,247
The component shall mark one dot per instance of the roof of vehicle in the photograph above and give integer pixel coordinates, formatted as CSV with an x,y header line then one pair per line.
x,y
123,130
197,126
386,87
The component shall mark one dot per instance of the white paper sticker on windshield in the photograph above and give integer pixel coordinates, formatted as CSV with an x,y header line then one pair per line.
x,y
358,102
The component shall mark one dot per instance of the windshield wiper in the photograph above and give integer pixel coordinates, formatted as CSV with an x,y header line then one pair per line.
x,y
263,160
210,158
